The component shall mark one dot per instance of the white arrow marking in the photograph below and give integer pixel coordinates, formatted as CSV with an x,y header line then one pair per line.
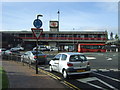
x,y
86,80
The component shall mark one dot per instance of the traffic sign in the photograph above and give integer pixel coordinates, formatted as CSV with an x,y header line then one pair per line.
x,y
37,32
37,23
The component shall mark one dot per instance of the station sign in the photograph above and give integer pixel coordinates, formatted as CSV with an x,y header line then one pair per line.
x,y
54,24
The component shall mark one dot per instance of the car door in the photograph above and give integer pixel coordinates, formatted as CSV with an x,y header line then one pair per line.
x,y
62,62
55,64
26,56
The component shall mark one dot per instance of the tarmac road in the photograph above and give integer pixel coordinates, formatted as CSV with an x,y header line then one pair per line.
x,y
105,72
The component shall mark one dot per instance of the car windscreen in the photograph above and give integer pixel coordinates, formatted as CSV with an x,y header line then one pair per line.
x,y
34,53
75,58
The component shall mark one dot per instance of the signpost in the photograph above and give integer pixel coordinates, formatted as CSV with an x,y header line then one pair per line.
x,y
37,32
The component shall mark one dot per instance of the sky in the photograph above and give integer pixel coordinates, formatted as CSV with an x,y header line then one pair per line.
x,y
77,16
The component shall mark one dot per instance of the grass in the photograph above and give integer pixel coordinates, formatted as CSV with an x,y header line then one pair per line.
x,y
4,79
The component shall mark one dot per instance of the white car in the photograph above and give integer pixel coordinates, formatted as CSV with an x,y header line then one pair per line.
x,y
2,50
70,63
53,49
17,49
41,48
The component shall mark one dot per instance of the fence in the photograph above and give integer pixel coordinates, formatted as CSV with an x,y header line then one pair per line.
x,y
17,58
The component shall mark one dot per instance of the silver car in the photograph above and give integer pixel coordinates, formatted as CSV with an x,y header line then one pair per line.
x,y
70,63
31,57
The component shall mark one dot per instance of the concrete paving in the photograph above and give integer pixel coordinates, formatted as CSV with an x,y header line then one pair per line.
x,y
24,77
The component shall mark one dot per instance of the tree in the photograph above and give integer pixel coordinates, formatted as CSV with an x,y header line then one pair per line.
x,y
116,36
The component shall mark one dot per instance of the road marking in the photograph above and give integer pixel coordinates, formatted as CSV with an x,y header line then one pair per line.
x,y
86,80
58,78
90,57
109,59
71,85
107,77
104,70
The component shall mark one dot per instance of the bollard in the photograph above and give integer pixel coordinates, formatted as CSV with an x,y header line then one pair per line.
x,y
22,60
116,49
29,62
17,58
110,50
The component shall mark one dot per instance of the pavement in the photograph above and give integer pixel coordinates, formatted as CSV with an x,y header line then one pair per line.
x,y
22,76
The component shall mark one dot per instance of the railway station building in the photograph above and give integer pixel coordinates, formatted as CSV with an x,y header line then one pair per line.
x,y
64,40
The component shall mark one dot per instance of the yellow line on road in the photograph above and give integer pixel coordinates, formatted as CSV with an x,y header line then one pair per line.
x,y
72,85
58,78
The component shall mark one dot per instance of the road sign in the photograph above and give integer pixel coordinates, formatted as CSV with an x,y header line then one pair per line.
x,y
37,32
37,23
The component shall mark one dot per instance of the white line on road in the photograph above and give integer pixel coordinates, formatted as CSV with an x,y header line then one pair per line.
x,y
86,80
90,57
107,77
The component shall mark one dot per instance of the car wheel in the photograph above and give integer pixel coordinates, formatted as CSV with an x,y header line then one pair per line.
x,y
65,75
50,68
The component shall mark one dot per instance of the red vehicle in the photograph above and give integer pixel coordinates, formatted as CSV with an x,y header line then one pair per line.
x,y
91,48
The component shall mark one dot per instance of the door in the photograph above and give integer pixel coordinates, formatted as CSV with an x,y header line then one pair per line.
x,y
62,62
26,57
55,63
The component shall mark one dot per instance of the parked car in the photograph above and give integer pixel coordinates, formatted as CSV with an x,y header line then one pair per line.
x,y
2,50
31,57
17,49
70,63
41,48
53,49
9,52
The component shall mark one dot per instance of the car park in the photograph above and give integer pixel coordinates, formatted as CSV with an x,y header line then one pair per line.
x,y
70,63
17,48
31,57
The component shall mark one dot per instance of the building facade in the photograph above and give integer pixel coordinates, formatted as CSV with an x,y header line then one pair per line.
x,y
64,40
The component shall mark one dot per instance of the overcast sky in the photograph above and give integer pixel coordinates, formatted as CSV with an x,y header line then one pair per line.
x,y
82,16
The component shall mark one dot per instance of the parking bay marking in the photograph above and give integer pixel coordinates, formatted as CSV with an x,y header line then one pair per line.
x,y
87,81
107,77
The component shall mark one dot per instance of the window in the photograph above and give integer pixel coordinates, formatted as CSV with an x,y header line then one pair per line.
x,y
57,57
28,35
75,58
34,52
46,35
64,57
